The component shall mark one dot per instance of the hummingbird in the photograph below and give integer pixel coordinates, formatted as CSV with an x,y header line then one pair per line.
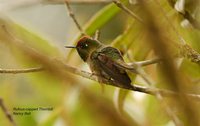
x,y
103,60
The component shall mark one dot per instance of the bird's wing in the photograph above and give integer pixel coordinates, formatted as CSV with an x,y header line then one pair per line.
x,y
108,58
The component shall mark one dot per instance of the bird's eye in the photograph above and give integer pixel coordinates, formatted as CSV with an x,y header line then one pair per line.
x,y
83,46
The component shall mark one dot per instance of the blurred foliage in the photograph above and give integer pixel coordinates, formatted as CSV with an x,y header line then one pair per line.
x,y
86,105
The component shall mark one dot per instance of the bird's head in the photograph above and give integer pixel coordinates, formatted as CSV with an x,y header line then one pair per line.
x,y
85,46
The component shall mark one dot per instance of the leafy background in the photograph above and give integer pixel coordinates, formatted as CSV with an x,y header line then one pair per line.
x,y
78,101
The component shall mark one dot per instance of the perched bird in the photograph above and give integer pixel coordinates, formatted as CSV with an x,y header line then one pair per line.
x,y
102,60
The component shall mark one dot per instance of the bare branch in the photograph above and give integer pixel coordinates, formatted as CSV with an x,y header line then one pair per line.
x,y
39,69
128,11
194,22
17,71
6,112
147,90
71,14
97,35
142,89
146,62
188,52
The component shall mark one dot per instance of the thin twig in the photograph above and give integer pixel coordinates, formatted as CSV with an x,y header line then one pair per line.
x,y
6,112
152,91
71,14
91,76
39,69
194,22
17,71
145,62
188,52
97,35
128,11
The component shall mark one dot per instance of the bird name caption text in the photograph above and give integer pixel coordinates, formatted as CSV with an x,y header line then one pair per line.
x,y
25,111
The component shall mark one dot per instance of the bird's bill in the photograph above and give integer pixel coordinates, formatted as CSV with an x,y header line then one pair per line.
x,y
70,46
